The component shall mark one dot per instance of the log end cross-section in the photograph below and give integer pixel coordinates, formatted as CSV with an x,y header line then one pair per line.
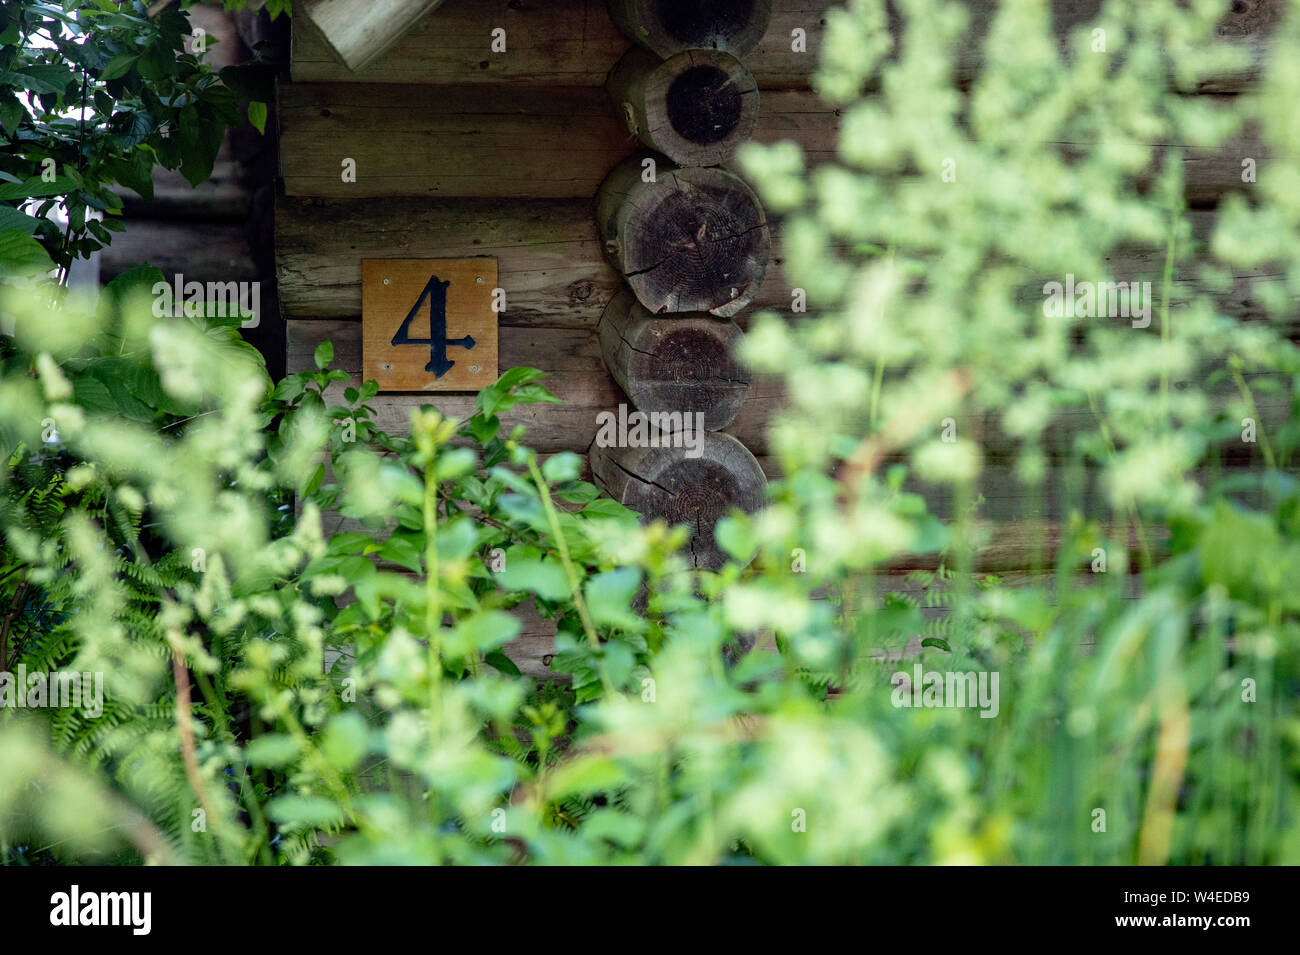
x,y
686,364
670,26
696,107
679,486
689,240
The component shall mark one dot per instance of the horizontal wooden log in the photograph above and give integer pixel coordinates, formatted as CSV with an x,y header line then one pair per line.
x,y
534,649
547,251
551,264
560,143
358,31
570,356
574,42
457,141
481,142
217,251
578,377
225,197
557,43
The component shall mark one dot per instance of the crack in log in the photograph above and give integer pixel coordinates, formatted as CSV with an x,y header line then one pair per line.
x,y
643,480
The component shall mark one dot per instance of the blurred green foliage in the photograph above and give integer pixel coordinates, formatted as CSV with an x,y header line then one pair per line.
x,y
282,688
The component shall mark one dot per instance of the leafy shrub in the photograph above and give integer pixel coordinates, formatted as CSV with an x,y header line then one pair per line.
x,y
95,95
280,693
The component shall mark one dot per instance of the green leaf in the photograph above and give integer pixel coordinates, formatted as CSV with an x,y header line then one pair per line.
x,y
608,507
199,138
19,252
257,116
11,218
118,66
351,542
736,537
534,394
518,376
272,750
578,492
484,427
565,466
618,827
134,172
324,355
306,812
482,632
610,596
12,112
39,78
502,663
542,577
455,463
36,188
132,127
344,741
585,775
403,552
290,388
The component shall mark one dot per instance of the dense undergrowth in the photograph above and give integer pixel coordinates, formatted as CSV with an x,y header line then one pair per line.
x,y
304,624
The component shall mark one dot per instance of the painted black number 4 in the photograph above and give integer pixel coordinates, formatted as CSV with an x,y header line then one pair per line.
x,y
436,295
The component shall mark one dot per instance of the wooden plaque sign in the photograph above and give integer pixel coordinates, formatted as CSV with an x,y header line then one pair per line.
x,y
429,324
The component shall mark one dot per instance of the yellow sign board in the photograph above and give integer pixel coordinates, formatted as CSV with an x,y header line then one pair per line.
x,y
429,324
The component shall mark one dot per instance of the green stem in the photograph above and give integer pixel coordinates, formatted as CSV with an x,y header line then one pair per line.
x,y
878,379
1249,397
571,572
432,603
1166,292
1138,527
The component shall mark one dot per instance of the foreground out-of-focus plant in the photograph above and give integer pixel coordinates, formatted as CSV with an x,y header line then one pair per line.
x,y
306,625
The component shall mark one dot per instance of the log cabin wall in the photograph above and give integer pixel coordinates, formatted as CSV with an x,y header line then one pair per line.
x,y
461,150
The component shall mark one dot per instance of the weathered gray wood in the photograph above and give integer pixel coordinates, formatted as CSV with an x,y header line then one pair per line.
x,y
455,141
696,107
573,43
680,486
555,43
484,142
555,275
577,376
547,251
560,143
225,196
666,27
684,364
358,31
689,240
217,251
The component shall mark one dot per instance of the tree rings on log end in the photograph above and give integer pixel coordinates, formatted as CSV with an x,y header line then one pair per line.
x,y
683,364
696,107
670,26
691,240
696,484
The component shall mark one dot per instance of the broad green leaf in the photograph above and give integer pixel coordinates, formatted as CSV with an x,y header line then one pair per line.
x,y
542,577
272,750
20,253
